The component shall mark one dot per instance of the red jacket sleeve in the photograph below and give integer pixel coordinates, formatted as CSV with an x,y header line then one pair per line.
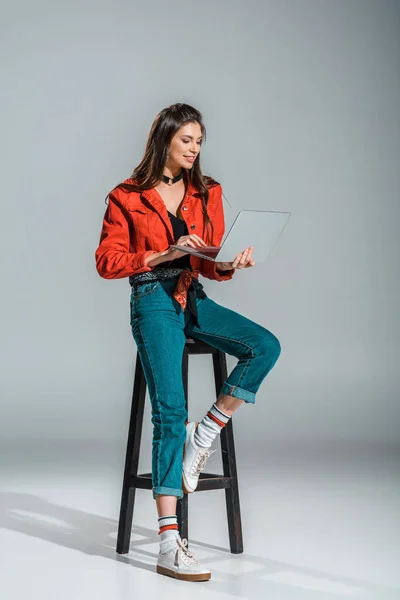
x,y
113,258
208,268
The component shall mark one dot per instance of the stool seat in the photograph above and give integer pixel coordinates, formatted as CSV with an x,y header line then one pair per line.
x,y
207,481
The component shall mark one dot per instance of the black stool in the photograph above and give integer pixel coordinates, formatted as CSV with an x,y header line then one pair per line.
x,y
207,481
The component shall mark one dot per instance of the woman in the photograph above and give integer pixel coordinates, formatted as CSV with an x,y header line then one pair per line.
x,y
168,200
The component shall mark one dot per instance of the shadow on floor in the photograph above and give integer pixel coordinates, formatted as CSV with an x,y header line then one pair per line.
x,y
242,575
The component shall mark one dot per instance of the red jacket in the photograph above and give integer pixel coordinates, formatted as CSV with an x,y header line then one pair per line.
x,y
136,225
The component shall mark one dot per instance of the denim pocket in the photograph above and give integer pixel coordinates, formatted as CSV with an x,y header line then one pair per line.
x,y
144,289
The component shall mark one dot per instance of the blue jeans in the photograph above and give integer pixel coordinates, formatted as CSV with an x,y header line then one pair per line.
x,y
160,328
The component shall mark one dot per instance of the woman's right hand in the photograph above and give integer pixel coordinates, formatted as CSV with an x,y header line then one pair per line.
x,y
192,240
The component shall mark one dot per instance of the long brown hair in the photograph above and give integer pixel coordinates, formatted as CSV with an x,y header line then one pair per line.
x,y
149,171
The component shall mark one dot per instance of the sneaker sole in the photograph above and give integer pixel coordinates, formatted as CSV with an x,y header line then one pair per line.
x,y
184,488
183,576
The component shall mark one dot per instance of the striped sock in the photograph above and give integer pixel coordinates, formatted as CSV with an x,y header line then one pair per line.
x,y
168,532
210,426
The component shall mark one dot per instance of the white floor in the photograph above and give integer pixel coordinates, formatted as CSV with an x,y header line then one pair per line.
x,y
318,523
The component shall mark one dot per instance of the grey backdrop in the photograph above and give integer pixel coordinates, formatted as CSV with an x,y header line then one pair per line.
x,y
301,100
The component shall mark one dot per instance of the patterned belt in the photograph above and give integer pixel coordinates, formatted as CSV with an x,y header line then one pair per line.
x,y
184,292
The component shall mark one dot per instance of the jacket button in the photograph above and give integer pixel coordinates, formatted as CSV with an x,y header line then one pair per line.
x,y
184,208
192,226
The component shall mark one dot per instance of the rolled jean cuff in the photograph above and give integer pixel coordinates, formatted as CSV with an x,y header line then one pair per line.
x,y
238,392
167,492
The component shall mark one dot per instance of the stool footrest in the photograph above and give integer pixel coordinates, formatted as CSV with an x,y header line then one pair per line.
x,y
207,481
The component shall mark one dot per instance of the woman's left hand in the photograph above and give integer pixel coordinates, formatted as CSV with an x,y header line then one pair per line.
x,y
242,261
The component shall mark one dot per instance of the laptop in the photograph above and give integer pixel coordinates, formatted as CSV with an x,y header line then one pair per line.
x,y
258,228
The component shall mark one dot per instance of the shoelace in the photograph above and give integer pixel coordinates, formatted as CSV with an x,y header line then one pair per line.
x,y
201,459
187,556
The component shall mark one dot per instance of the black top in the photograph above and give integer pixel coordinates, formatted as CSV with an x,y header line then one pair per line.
x,y
180,228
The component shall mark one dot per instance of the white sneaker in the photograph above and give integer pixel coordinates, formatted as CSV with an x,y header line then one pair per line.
x,y
181,564
194,460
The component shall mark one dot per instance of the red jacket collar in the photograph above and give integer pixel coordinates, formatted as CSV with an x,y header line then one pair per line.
x,y
155,199
153,194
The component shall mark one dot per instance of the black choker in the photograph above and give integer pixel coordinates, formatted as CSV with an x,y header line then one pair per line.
x,y
172,180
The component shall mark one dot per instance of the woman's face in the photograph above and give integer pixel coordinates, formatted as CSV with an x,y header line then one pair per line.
x,y
185,146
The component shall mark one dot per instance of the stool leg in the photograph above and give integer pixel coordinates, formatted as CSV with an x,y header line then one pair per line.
x,y
182,507
182,515
131,460
229,463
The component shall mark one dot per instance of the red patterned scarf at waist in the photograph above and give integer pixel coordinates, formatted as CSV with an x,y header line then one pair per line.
x,y
182,286
182,293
